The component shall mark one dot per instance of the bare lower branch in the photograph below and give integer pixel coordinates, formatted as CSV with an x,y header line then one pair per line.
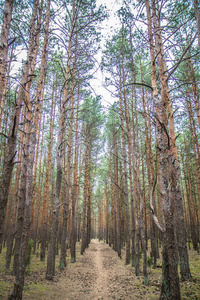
x,y
181,58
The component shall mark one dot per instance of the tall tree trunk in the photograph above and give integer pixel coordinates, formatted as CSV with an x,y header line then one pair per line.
x,y
190,196
32,115
44,221
3,100
191,74
125,184
85,197
197,16
38,196
67,200
7,17
116,195
131,176
14,123
12,229
75,192
60,153
150,170
55,218
174,169
170,287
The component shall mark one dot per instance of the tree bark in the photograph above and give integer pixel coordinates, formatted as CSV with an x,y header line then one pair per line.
x,y
7,17
75,193
170,287
14,123
44,221
197,16
125,184
66,205
86,184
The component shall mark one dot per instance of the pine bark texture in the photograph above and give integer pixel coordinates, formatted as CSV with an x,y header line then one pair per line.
x,y
14,123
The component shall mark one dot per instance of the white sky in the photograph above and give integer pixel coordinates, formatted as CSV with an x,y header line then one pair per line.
x,y
108,27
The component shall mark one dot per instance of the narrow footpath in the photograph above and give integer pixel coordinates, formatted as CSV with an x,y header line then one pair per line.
x,y
97,275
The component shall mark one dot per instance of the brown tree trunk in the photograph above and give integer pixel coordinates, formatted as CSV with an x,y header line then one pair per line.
x,y
60,153
125,184
86,185
116,195
195,143
170,287
3,100
151,174
12,229
67,199
197,16
27,175
7,17
191,74
75,192
174,169
55,218
38,196
190,198
14,123
131,176
44,221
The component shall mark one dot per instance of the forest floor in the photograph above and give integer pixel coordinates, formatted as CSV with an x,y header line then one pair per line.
x,y
98,274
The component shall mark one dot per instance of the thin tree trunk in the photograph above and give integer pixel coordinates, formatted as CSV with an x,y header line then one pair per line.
x,y
44,221
117,199
14,123
197,16
12,229
75,191
7,17
3,100
125,185
86,184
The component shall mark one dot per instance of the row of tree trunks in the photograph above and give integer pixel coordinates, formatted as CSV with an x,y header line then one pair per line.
x,y
33,111
14,122
59,157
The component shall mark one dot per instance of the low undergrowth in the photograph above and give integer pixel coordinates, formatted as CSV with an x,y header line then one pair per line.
x,y
37,287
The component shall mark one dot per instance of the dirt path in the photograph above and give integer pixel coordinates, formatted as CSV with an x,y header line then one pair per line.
x,y
97,275
101,286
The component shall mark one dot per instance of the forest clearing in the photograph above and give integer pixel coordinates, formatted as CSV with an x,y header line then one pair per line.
x,y
99,149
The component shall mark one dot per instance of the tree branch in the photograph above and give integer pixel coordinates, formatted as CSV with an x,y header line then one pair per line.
x,y
138,83
180,59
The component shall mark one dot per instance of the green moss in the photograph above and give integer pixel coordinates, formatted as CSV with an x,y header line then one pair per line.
x,y
29,252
